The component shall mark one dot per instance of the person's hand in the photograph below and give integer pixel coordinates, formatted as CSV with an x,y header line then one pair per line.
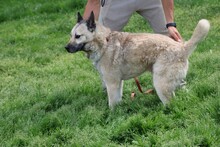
x,y
173,33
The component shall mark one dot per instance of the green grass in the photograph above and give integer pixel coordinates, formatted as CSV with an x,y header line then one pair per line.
x,y
51,98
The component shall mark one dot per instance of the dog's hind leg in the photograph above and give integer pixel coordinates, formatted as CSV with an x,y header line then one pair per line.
x,y
163,91
114,90
167,78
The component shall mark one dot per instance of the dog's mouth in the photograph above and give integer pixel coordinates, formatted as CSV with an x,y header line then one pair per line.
x,y
75,48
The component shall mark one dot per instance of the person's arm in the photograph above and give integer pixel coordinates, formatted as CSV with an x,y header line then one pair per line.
x,y
168,6
92,5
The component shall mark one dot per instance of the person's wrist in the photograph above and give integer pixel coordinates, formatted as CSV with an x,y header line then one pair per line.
x,y
172,24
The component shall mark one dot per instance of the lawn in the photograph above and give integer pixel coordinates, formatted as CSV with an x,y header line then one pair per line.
x,y
49,97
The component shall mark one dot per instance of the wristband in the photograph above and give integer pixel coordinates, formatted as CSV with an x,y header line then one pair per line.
x,y
102,3
173,24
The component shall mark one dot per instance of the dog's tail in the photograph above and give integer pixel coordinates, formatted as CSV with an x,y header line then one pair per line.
x,y
199,34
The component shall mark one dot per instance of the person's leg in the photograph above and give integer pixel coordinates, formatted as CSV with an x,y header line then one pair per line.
x,y
152,10
92,5
116,13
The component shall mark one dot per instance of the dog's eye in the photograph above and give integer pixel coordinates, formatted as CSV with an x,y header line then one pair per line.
x,y
77,36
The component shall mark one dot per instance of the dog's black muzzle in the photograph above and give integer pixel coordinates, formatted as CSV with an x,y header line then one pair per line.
x,y
75,48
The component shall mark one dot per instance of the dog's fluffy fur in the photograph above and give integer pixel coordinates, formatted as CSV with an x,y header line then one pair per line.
x,y
120,56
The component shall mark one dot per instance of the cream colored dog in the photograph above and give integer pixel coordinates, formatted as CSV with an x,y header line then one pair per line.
x,y
120,56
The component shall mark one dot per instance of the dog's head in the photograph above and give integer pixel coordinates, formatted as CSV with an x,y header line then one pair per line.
x,y
82,33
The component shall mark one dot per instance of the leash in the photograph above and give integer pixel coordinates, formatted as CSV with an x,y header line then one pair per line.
x,y
138,85
149,91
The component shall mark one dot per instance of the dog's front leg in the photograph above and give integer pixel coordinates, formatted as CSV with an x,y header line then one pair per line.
x,y
114,90
103,85
101,76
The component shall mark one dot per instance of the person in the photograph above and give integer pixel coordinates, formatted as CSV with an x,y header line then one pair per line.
x,y
115,14
92,5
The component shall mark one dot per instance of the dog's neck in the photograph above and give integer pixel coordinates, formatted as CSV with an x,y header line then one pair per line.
x,y
102,33
101,41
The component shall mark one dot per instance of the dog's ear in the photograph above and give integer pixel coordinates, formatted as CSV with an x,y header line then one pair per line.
x,y
79,17
91,22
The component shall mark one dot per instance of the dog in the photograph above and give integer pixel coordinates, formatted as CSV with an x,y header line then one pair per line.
x,y
119,56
